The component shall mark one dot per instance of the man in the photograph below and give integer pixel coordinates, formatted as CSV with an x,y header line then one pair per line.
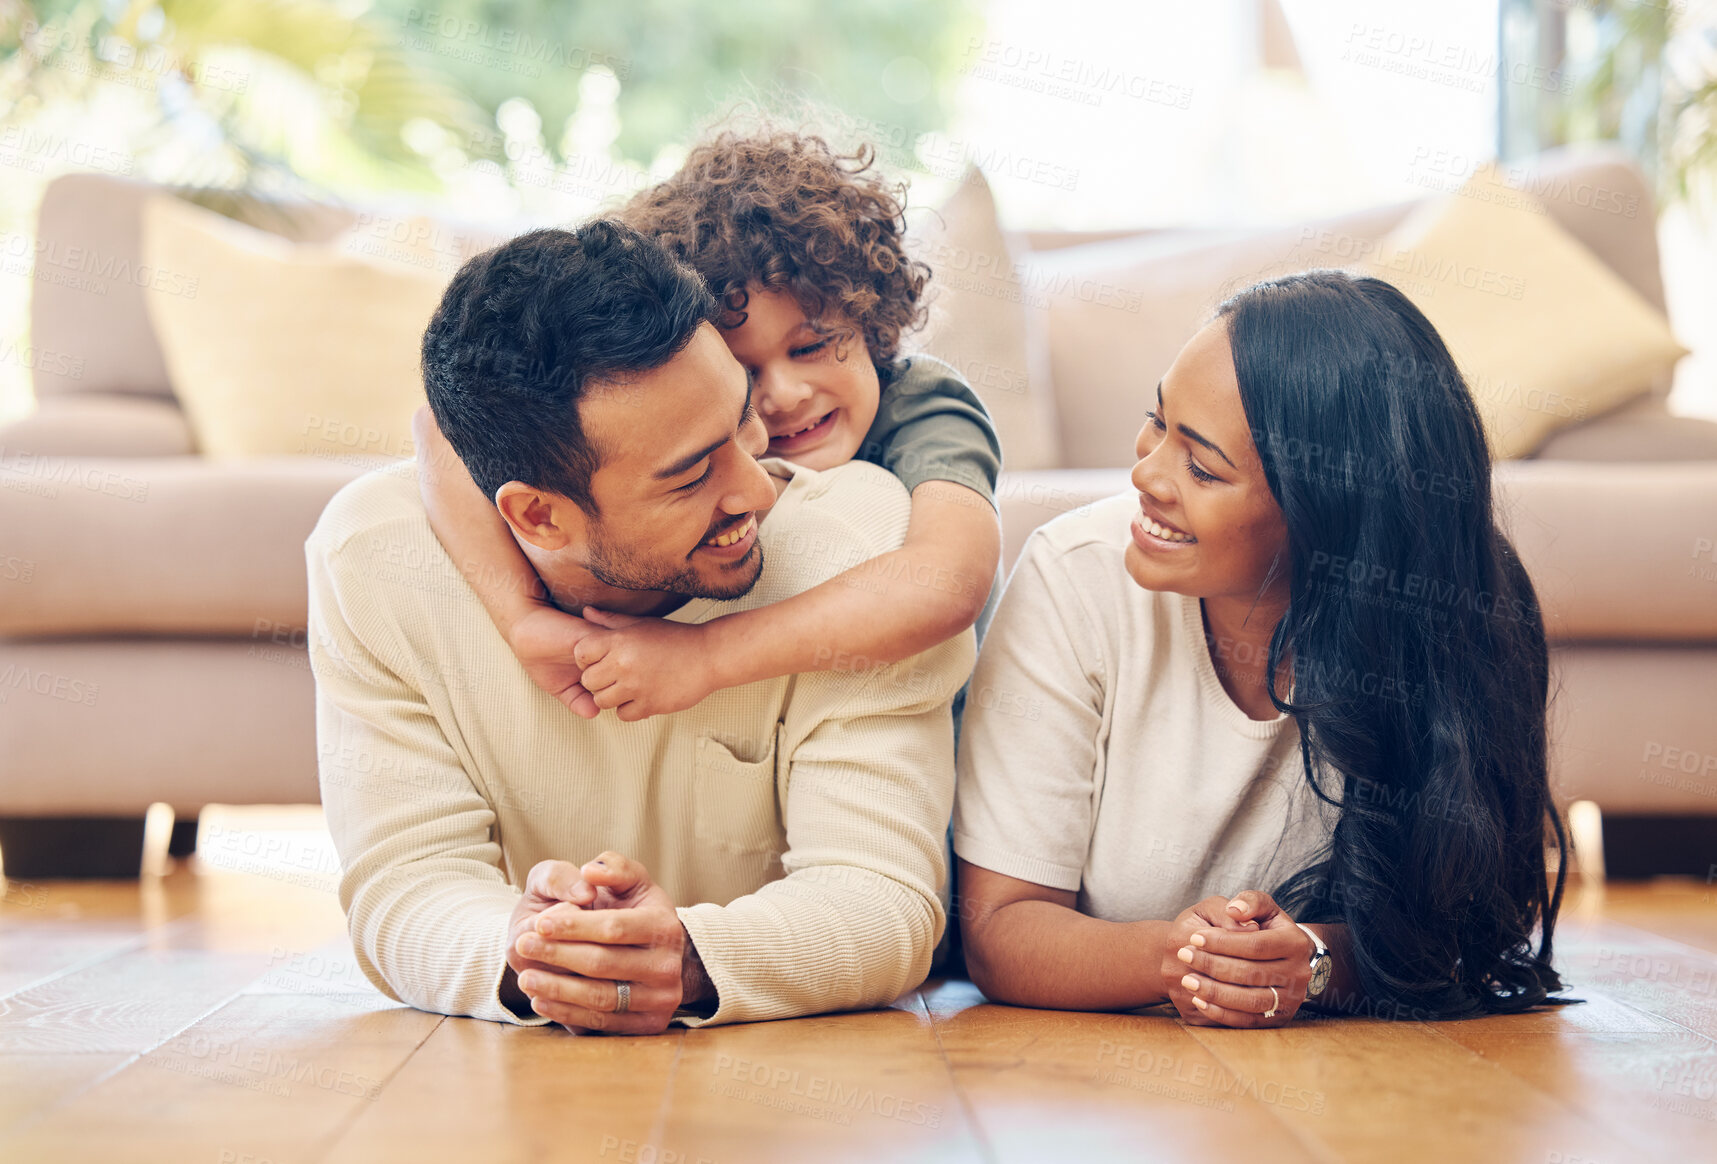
x,y
776,850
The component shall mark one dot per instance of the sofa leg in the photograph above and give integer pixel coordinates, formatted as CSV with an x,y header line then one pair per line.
x,y
183,842
43,848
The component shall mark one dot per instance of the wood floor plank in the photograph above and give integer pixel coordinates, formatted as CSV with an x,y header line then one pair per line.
x,y
1683,909
35,950
272,1077
213,1014
868,1086
1059,1085
31,1084
1400,1091
500,1094
1653,1088
1655,975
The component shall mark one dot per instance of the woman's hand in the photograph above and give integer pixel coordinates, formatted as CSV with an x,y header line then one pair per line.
x,y
1206,915
544,641
645,666
1228,969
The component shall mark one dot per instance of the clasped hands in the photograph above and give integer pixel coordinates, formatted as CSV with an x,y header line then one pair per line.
x,y
638,666
1223,955
580,931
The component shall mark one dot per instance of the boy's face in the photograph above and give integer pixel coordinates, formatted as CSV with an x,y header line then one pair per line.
x,y
814,386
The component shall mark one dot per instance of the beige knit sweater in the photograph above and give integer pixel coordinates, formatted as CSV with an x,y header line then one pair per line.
x,y
798,822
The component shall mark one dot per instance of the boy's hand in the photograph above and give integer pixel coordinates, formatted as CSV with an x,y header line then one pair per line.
x,y
645,666
545,641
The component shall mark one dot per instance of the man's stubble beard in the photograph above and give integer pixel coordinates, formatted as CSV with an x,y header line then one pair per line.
x,y
622,569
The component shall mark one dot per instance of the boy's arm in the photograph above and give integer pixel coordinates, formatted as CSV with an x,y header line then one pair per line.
x,y
472,530
885,609
476,537
881,611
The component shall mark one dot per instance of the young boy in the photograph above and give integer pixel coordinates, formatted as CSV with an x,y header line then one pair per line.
x,y
804,249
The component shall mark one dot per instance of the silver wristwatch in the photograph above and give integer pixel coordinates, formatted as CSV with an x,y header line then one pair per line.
x,y
1322,964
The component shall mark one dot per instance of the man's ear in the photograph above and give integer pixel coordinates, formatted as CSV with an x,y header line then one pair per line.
x,y
547,521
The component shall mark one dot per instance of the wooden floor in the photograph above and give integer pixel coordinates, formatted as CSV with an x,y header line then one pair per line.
x,y
214,1015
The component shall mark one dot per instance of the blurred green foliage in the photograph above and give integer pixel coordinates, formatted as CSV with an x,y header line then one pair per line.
x,y
881,62
347,95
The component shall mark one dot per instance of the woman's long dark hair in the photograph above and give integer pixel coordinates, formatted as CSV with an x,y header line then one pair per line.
x,y
1420,673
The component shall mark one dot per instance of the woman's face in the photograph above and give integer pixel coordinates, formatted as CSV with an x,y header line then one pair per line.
x,y
1207,525
814,386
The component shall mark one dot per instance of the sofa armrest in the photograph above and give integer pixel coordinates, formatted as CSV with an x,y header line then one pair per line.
x,y
99,425
1618,552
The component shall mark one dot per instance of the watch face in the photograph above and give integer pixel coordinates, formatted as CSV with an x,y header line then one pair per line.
x,y
1320,976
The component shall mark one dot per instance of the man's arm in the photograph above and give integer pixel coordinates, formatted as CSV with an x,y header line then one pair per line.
x,y
867,795
426,901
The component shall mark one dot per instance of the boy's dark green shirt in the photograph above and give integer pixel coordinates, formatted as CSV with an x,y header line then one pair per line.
x,y
931,426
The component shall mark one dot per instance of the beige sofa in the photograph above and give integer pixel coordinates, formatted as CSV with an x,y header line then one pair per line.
x,y
152,601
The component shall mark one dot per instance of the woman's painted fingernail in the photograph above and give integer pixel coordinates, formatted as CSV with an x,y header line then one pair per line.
x,y
1184,953
1190,982
1198,940
1237,905
1201,1004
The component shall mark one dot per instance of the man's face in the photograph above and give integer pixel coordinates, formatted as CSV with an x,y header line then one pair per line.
x,y
813,382
679,491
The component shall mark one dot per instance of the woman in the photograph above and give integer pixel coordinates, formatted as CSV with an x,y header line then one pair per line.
x,y
1321,682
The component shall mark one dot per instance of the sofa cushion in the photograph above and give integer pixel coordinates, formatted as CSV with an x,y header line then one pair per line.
x,y
87,424
162,545
1119,312
1545,333
979,321
92,281
287,348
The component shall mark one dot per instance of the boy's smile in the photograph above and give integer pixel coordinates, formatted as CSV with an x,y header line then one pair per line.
x,y
813,383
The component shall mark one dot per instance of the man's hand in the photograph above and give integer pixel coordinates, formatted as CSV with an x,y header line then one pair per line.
x,y
550,884
545,640
645,666
1233,966
617,926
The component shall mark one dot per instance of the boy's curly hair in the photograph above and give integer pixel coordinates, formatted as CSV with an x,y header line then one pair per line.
x,y
784,210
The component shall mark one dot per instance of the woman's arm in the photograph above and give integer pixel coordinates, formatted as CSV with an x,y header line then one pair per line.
x,y
881,611
1027,945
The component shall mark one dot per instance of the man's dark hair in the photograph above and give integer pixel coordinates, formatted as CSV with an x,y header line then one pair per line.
x,y
525,329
